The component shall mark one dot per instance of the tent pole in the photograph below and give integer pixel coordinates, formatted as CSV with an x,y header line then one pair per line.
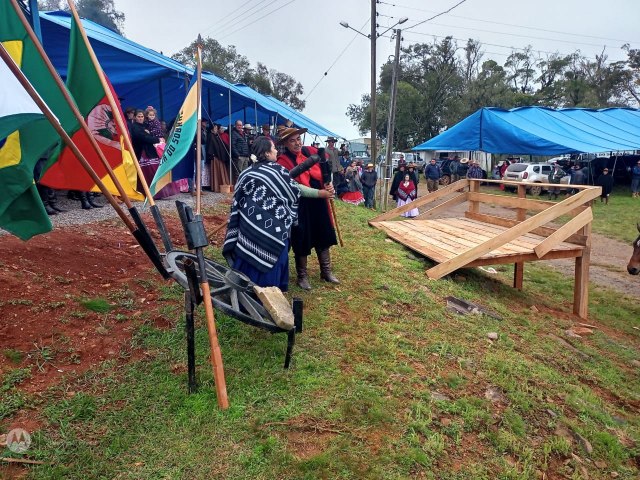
x,y
161,98
255,109
229,147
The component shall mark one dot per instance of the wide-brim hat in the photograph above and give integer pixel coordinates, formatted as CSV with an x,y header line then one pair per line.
x,y
247,126
288,132
411,165
464,160
369,165
332,139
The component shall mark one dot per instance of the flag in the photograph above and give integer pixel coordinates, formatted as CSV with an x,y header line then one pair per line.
x,y
21,211
17,108
181,136
64,170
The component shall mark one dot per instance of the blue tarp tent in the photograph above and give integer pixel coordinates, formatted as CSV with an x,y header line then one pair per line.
x,y
143,77
542,131
139,75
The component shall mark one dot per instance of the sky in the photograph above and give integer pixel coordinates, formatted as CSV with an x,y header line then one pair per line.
x,y
304,38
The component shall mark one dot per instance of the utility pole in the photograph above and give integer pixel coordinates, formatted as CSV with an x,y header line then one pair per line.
x,y
391,121
374,36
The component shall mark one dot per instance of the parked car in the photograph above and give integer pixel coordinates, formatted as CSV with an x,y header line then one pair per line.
x,y
531,173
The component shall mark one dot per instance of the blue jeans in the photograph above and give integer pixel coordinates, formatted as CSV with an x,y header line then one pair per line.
x,y
369,193
635,185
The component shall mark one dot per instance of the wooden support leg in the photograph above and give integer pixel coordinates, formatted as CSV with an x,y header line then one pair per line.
x,y
518,275
581,285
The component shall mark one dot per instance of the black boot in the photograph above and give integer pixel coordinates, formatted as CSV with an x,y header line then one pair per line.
x,y
73,195
91,201
48,209
301,271
84,202
53,201
324,258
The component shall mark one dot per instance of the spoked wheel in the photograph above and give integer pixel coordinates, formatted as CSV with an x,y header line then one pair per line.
x,y
535,191
445,180
231,291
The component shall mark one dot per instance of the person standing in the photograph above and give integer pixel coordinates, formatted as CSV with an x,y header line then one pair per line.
x,y
432,173
369,180
397,178
239,149
414,174
453,168
474,170
248,134
555,177
406,194
606,182
315,228
635,181
266,131
333,156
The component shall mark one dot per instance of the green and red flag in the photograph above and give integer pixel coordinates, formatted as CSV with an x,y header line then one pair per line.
x,y
21,211
64,170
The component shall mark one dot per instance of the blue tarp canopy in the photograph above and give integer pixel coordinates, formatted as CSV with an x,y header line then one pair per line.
x,y
283,112
542,131
143,77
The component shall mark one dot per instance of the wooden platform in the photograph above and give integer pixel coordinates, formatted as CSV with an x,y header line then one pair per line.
x,y
484,238
447,238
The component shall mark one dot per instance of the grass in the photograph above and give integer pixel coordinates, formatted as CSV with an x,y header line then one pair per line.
x,y
358,401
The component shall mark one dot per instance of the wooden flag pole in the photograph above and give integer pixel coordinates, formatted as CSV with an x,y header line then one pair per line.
x,y
72,104
112,103
121,125
216,353
65,137
198,180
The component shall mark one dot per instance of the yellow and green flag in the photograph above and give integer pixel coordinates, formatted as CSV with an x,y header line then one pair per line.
x,y
181,137
21,211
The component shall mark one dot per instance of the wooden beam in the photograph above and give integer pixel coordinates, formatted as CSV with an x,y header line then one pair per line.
x,y
424,200
460,198
515,184
507,222
525,257
510,202
561,208
474,206
518,275
581,285
562,233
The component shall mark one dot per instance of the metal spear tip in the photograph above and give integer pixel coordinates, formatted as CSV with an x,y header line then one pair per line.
x,y
402,20
344,24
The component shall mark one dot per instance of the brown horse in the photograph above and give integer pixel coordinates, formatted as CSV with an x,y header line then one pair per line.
x,y
634,264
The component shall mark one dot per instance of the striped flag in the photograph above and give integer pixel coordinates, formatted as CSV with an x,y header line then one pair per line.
x,y
181,137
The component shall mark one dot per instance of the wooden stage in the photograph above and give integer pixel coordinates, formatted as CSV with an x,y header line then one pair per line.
x,y
481,238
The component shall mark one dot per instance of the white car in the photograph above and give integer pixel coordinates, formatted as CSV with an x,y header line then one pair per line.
x,y
531,173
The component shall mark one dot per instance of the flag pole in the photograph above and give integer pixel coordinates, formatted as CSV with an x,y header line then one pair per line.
x,y
142,237
72,104
120,122
216,354
197,179
63,134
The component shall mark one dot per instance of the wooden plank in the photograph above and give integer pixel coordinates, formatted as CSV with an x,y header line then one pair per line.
x,y
420,201
431,252
422,241
581,284
561,234
515,184
514,232
518,275
527,242
474,206
472,239
507,222
532,257
510,202
460,198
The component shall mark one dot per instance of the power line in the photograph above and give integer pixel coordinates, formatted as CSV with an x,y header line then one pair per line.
x,y
435,16
225,18
511,24
257,20
336,60
244,16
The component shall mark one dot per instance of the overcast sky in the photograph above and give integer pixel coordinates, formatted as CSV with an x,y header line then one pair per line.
x,y
304,38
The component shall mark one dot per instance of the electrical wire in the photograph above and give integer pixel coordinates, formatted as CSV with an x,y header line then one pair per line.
x,y
257,20
336,60
435,16
222,31
225,18
510,24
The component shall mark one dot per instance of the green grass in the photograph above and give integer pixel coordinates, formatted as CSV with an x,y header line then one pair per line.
x,y
358,401
98,305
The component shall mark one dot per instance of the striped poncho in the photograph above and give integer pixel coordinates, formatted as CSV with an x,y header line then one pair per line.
x,y
265,206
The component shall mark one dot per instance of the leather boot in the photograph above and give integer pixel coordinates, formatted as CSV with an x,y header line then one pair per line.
x,y
53,201
324,258
48,209
90,200
84,202
301,271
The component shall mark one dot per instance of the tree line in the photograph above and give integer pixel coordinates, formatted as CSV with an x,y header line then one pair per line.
x,y
440,84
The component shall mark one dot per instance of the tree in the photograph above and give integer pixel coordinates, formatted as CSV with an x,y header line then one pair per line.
x,y
228,64
520,65
103,12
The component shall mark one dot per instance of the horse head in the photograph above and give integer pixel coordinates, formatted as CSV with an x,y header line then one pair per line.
x,y
634,264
